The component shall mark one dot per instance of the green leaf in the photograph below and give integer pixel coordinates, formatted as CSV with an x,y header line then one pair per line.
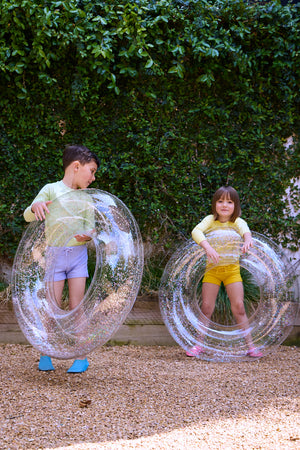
x,y
149,64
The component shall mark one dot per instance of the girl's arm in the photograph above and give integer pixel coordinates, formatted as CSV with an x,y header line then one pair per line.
x,y
245,232
201,228
211,253
248,242
199,238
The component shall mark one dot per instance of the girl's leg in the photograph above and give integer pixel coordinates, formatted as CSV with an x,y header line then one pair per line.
x,y
235,292
209,296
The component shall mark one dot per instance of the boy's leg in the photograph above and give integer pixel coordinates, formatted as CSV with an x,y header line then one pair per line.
x,y
58,287
45,363
76,294
57,291
76,291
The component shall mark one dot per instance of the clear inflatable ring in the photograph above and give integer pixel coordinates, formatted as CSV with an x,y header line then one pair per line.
x,y
115,255
268,325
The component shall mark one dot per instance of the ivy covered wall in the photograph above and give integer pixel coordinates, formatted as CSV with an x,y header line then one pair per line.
x,y
176,98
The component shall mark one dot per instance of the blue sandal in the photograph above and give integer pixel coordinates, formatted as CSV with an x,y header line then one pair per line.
x,y
45,363
79,366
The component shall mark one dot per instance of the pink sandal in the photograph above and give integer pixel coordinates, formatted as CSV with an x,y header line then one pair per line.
x,y
254,353
195,351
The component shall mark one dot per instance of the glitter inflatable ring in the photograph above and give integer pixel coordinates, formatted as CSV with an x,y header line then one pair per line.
x,y
116,251
270,323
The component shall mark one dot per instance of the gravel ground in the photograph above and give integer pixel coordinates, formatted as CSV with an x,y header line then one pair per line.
x,y
150,398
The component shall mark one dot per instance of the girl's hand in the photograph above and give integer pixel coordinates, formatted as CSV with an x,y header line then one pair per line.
x,y
248,242
211,253
213,256
39,209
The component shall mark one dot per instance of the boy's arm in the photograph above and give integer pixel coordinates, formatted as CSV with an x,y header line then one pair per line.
x,y
88,214
36,211
39,209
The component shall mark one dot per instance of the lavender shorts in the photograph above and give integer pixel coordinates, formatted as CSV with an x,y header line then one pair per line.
x,y
68,262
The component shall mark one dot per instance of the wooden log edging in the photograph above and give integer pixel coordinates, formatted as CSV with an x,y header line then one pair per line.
x,y
143,326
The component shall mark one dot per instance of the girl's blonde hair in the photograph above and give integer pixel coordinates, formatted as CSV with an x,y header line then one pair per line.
x,y
227,192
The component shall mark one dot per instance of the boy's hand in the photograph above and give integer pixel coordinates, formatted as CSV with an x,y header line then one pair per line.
x,y
82,237
39,209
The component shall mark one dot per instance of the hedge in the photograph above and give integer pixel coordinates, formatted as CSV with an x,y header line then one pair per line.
x,y
176,98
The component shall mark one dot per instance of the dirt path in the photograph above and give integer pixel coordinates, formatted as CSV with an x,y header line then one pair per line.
x,y
150,398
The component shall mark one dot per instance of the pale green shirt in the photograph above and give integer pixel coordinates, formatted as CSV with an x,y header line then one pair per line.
x,y
69,214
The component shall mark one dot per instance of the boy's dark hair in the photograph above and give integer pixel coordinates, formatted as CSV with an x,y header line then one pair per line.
x,y
78,153
227,192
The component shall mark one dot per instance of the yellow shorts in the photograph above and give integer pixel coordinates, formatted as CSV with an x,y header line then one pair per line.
x,y
228,274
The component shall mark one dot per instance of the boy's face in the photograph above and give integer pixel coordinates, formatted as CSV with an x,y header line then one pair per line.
x,y
85,174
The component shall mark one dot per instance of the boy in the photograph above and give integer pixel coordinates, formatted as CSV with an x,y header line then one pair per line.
x,y
80,166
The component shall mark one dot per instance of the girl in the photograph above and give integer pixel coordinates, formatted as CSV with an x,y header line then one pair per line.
x,y
226,211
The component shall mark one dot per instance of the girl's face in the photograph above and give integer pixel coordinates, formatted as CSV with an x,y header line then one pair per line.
x,y
224,208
